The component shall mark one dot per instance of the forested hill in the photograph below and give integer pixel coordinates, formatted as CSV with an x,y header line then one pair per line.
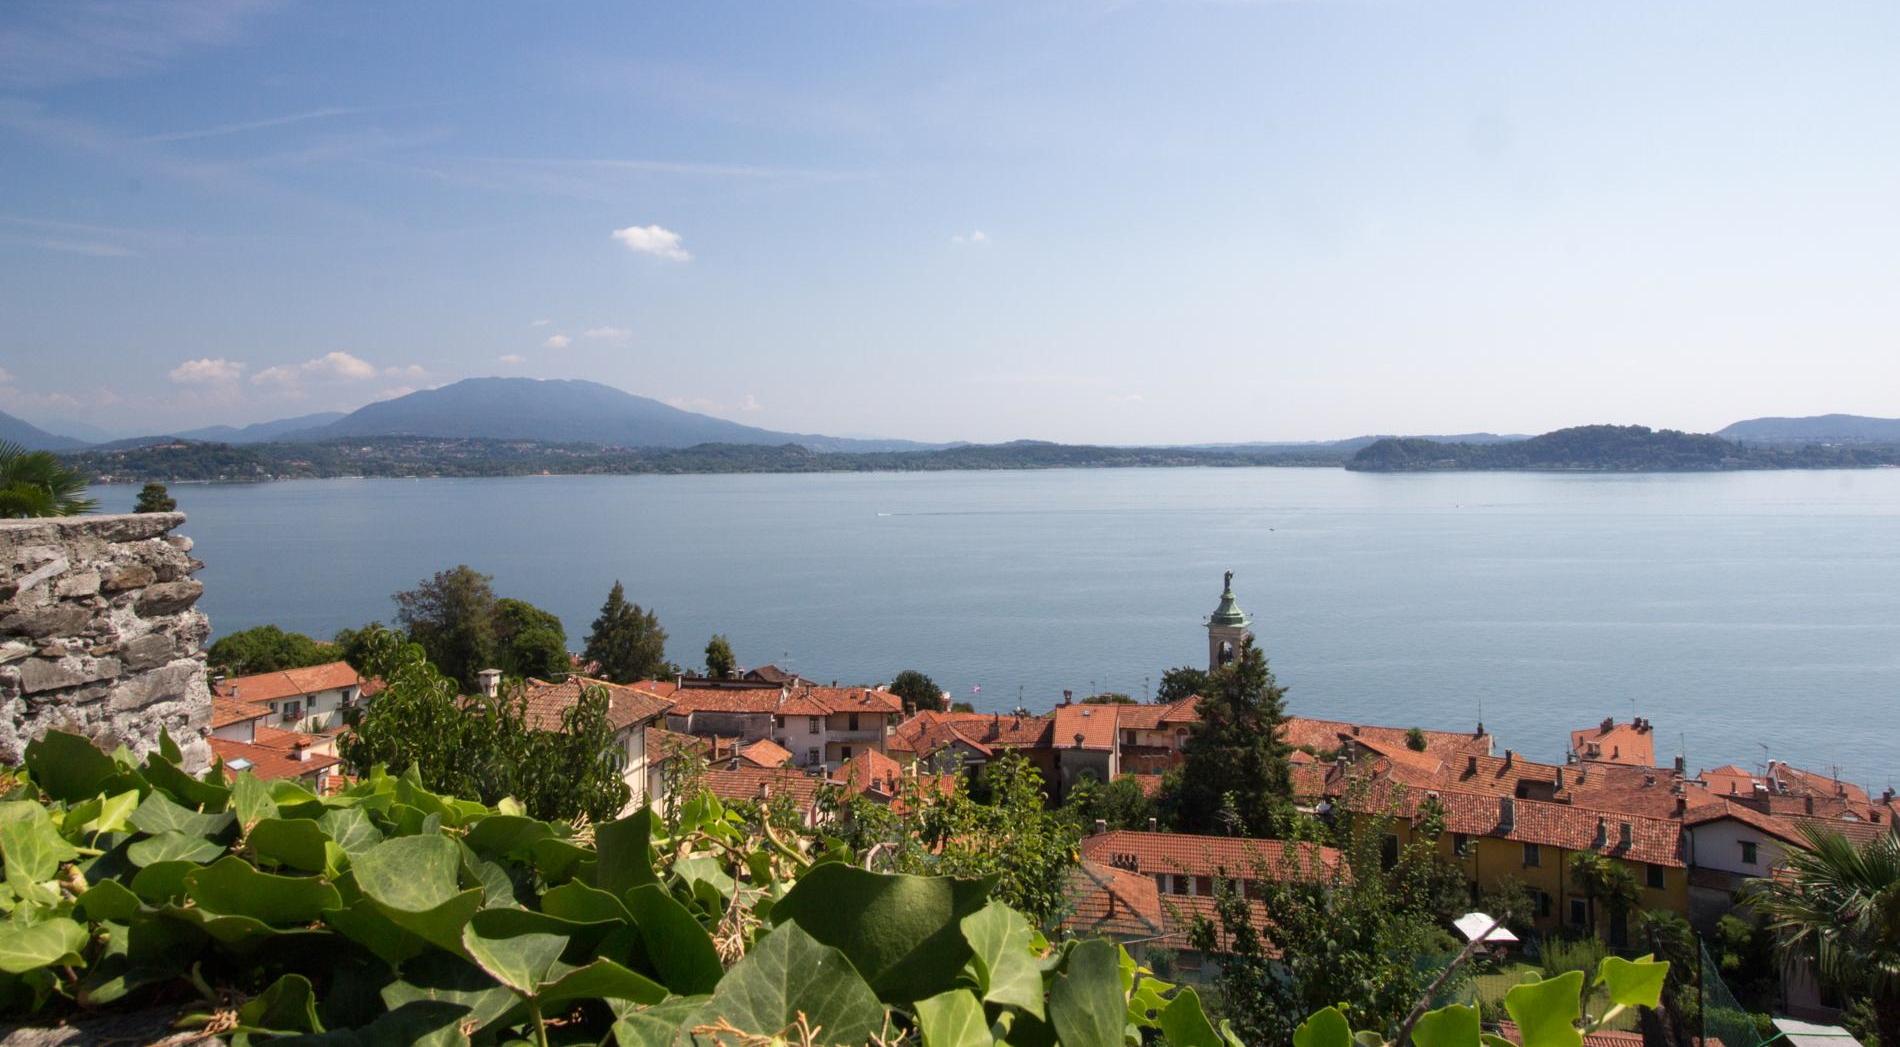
x,y
433,456
1612,448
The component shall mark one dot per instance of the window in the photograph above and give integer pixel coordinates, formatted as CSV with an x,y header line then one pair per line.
x,y
292,710
1460,844
1748,852
851,722
778,722
1388,851
844,751
1542,900
811,725
1204,885
1579,912
1180,884
1532,856
811,756
1655,880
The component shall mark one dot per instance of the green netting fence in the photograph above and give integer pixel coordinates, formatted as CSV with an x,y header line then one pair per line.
x,y
1724,1019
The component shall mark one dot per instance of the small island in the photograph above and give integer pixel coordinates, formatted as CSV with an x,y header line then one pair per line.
x,y
1612,448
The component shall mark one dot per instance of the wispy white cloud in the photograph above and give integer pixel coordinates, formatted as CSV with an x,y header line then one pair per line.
x,y
221,130
706,405
414,372
335,366
607,334
557,341
655,240
79,40
206,370
973,238
540,323
512,359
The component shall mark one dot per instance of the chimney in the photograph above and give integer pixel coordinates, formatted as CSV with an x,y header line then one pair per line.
x,y
1509,755
1807,804
1101,826
1154,825
1682,804
1507,813
1355,730
1603,832
1067,696
489,680
297,752
1682,766
1608,724
1560,779
1887,797
1624,834
1471,765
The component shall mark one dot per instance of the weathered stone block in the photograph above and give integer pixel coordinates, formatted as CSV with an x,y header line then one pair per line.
x,y
58,618
41,674
168,597
120,577
147,651
78,583
171,683
13,651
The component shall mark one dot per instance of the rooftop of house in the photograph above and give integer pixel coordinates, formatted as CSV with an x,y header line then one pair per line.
x,y
547,704
765,753
269,762
1632,743
1325,736
289,683
1655,841
762,784
930,730
227,711
1127,905
1086,726
1150,853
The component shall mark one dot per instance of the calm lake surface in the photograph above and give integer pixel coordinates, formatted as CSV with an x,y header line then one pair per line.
x,y
1736,610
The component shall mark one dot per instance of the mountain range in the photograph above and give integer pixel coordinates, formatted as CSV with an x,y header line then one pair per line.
x,y
573,411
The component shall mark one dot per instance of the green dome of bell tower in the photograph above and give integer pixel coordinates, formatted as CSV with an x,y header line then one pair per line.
x,y
1228,628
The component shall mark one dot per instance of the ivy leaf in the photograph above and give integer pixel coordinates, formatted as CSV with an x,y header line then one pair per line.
x,y
583,904
68,767
1452,1026
440,978
1184,1022
601,979
681,951
1633,983
1546,1012
905,929
351,829
251,800
504,835
410,873
233,887
1006,971
953,1019
159,813
656,1026
288,1006
33,850
1325,1028
110,817
298,843
173,847
523,962
1085,1002
107,900
789,973
26,947
626,853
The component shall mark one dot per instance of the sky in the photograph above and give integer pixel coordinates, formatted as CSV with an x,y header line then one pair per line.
x,y
1122,222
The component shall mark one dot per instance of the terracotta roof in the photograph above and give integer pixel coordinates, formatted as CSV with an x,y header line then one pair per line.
x,y
1729,780
1860,834
1632,744
766,753
869,771
1657,841
1156,717
1326,735
1722,808
1601,1038
547,703
290,683
663,744
269,763
1114,902
929,731
758,700
770,673
1085,727
659,688
227,711
750,784
1150,853
851,699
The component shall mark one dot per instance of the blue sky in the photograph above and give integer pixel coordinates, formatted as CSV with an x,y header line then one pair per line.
x,y
1118,221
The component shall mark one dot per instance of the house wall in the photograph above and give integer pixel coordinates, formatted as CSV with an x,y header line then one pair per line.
x,y
1718,845
316,712
241,731
749,727
99,634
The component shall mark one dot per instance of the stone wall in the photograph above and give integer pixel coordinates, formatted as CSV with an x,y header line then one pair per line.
x,y
98,634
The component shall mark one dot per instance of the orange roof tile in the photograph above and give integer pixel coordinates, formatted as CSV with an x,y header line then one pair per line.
x,y
751,784
1114,902
1722,808
1326,735
762,700
1085,727
269,763
289,683
546,704
227,711
1657,841
1632,744
1150,853
766,753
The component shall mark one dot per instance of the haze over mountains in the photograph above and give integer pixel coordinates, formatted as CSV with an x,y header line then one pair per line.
x,y
584,412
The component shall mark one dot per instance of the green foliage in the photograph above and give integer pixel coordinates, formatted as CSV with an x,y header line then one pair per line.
x,y
266,649
529,642
1180,683
421,727
1561,956
1609,448
627,641
153,498
1234,755
1415,739
452,615
1121,803
1548,1013
917,690
720,664
37,483
1837,906
390,913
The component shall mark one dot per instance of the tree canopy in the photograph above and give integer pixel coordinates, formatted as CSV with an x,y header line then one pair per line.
x,y
153,498
465,628
917,691
719,661
1179,683
626,640
529,642
267,649
1234,757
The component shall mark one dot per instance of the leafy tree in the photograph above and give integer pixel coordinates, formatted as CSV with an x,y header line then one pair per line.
x,y
266,649
452,616
1415,739
153,498
1355,935
355,645
37,483
1598,878
962,707
529,642
1668,936
1509,899
1120,803
1837,906
1181,682
482,747
1745,953
1109,698
917,690
720,664
627,641
1235,753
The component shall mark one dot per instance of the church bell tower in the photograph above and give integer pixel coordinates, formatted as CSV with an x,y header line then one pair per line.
x,y
1227,627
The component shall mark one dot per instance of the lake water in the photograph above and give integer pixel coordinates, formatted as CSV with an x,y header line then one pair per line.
x,y
1736,610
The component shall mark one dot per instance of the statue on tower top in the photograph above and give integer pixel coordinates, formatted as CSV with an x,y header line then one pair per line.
x,y
1227,581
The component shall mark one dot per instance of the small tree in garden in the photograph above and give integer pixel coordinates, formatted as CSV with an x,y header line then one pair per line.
x,y
153,498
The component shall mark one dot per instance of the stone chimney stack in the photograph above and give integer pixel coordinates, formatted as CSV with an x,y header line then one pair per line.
x,y
489,682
